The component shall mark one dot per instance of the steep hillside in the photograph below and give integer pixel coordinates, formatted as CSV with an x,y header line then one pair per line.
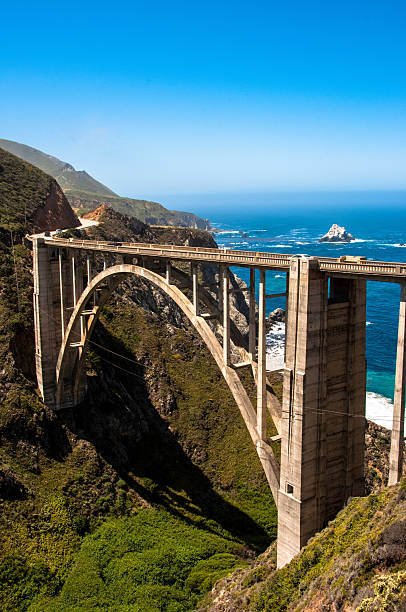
x,y
86,193
66,175
151,489
357,563
30,200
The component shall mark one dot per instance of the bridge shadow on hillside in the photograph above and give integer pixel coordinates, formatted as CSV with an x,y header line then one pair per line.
x,y
119,419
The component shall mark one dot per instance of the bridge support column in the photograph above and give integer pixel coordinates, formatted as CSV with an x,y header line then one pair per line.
x,y
195,281
252,324
397,438
323,422
47,317
261,381
226,314
88,269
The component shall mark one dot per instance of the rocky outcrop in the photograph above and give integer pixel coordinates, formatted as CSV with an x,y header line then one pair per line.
x,y
336,233
117,227
56,211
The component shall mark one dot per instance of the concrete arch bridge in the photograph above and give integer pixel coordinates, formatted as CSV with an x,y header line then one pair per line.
x,y
321,423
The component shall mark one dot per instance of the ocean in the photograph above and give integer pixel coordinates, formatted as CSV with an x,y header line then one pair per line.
x,y
284,224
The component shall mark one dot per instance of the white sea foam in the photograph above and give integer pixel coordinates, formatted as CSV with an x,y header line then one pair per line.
x,y
278,276
368,323
227,232
275,347
379,409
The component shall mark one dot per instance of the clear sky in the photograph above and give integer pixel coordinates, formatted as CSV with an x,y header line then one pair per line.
x,y
157,98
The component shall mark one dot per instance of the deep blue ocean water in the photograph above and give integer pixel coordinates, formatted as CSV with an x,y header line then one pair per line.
x,y
379,228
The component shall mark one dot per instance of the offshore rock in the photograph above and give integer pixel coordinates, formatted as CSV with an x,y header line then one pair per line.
x,y
336,233
276,316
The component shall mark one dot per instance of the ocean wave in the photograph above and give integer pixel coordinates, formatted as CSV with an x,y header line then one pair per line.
x,y
368,323
379,409
278,275
220,232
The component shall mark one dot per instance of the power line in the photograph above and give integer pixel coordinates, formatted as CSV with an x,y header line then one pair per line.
x,y
77,333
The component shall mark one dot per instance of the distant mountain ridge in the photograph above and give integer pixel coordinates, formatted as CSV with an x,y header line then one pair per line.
x,y
85,193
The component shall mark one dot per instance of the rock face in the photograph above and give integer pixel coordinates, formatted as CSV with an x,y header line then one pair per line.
x,y
336,233
56,211
276,316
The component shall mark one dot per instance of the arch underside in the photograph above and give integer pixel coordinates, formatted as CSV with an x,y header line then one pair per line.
x,y
81,325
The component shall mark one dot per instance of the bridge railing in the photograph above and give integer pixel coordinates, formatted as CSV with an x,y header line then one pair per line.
x,y
178,252
395,270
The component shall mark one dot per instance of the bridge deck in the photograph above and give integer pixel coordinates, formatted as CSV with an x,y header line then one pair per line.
x,y
370,270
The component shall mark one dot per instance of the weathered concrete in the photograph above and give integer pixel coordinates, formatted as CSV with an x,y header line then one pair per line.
x,y
261,378
323,403
398,425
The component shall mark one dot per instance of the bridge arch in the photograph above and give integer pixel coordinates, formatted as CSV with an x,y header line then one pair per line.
x,y
82,323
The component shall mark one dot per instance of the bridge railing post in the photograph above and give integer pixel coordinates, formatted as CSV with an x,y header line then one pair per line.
x,y
397,437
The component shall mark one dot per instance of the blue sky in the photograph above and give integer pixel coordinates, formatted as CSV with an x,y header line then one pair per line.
x,y
157,98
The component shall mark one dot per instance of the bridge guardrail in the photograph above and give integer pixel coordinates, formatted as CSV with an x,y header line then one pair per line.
x,y
234,257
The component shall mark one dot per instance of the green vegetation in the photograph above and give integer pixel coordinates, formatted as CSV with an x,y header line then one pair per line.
x,y
152,561
65,174
207,422
23,189
357,562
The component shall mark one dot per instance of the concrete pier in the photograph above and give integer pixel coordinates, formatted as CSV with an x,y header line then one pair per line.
x,y
398,425
323,403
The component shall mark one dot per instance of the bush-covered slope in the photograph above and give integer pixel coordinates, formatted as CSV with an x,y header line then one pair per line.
x,y
357,563
67,177
29,199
